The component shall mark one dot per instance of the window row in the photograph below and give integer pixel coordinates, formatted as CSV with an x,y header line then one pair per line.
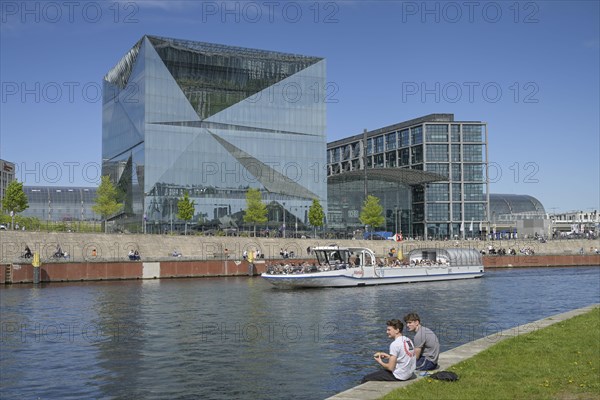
x,y
413,136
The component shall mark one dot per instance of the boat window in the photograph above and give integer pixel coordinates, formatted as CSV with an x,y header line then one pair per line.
x,y
332,256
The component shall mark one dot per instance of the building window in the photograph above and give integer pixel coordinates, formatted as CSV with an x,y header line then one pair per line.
x,y
472,152
472,133
455,133
437,192
456,153
474,191
379,144
456,212
378,160
473,172
418,194
456,175
356,150
437,152
390,141
347,152
404,138
416,154
416,134
441,169
390,159
456,192
436,133
438,212
474,211
404,157
369,146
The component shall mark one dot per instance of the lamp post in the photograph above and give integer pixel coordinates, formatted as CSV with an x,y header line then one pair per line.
x,y
283,219
171,212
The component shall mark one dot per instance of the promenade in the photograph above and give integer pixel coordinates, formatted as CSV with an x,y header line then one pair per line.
x,y
376,390
105,257
114,247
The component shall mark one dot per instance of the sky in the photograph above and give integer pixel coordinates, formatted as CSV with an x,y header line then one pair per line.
x,y
529,69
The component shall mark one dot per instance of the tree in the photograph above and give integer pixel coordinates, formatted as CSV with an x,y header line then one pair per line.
x,y
185,209
256,211
106,200
372,213
15,200
316,215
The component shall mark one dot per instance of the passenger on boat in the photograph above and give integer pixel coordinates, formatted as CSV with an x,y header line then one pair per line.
x,y
427,345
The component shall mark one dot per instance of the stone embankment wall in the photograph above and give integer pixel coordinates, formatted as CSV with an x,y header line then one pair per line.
x,y
221,256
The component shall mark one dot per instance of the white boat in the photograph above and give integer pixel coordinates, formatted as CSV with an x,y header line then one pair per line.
x,y
357,266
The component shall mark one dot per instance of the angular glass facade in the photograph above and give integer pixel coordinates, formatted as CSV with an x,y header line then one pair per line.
x,y
214,121
455,206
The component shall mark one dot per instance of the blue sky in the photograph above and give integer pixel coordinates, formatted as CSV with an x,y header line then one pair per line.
x,y
529,69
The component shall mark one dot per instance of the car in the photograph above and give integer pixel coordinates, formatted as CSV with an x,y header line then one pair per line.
x,y
2,227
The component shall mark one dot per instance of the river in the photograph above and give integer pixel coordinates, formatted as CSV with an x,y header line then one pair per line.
x,y
239,338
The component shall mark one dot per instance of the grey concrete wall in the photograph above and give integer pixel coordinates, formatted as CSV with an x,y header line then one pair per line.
x,y
157,247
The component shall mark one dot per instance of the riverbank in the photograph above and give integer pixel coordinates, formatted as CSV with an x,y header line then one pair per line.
x,y
65,271
498,373
89,247
94,257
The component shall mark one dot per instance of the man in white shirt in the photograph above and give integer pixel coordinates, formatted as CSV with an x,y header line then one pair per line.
x,y
400,363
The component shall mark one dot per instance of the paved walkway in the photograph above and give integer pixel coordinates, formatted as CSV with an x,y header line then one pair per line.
x,y
376,390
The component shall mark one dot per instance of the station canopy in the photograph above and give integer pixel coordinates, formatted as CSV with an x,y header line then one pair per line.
x,y
397,175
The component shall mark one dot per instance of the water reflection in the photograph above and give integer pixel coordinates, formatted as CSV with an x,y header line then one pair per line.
x,y
240,338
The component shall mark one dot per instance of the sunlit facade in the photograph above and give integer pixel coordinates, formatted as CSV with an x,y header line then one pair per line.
x,y
60,203
214,121
7,175
457,206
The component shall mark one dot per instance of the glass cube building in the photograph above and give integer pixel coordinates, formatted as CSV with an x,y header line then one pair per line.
x,y
450,196
213,121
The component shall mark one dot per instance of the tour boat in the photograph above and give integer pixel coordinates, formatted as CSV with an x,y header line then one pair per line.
x,y
337,266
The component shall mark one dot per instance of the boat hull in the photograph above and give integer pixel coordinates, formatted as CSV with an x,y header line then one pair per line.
x,y
379,276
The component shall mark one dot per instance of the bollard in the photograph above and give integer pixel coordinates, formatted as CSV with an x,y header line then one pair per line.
x,y
250,263
36,267
36,275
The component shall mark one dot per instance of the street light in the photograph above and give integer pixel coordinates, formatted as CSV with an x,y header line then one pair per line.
x,y
283,219
171,212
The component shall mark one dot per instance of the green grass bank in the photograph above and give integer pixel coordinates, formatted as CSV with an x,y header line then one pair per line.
x,y
561,361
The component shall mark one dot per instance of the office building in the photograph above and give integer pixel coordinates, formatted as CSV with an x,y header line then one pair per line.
x,y
7,175
213,120
435,169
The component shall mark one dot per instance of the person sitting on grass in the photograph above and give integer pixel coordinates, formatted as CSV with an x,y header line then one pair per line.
x,y
399,364
427,345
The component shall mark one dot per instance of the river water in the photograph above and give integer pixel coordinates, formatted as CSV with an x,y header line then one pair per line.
x,y
238,338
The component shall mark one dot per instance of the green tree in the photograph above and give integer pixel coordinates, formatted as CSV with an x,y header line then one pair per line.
x,y
186,209
15,200
106,200
256,211
316,215
372,213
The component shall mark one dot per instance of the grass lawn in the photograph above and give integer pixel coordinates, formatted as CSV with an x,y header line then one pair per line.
x,y
561,361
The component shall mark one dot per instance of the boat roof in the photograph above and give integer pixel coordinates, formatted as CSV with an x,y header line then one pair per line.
x,y
334,247
452,253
